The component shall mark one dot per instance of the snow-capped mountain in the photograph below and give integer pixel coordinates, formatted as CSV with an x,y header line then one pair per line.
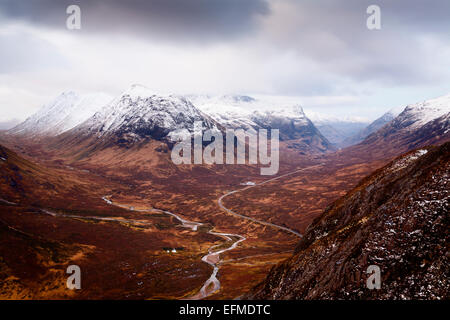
x,y
139,113
292,122
240,111
417,115
418,125
62,114
232,111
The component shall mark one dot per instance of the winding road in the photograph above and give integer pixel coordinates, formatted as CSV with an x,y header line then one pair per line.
x,y
212,284
220,201
213,258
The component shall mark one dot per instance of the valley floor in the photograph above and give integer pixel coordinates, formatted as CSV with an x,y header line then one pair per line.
x,y
175,237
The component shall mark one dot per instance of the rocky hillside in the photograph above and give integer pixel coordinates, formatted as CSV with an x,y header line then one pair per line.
x,y
397,219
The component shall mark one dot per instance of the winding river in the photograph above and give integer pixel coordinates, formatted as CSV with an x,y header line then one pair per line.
x,y
212,284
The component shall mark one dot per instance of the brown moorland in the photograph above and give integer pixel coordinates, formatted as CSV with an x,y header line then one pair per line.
x,y
123,259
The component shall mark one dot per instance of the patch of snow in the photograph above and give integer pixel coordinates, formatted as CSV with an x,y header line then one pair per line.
x,y
407,160
179,135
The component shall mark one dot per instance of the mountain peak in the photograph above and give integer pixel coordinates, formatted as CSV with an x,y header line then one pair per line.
x,y
62,113
298,109
139,90
68,93
419,114
139,114
238,98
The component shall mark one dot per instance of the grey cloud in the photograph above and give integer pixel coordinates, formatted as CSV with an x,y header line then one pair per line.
x,y
334,35
328,38
23,52
174,20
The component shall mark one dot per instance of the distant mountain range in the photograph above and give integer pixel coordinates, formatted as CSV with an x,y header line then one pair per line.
x,y
372,127
139,114
341,132
78,148
6,125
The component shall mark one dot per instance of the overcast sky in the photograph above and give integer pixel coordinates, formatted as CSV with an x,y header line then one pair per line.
x,y
319,51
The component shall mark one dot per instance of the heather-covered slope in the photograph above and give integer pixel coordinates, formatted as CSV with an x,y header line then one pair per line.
x,y
54,217
397,219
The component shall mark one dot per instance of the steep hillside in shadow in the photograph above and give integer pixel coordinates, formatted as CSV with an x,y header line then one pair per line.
x,y
397,218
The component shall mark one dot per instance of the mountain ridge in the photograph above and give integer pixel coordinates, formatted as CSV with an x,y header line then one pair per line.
x,y
63,113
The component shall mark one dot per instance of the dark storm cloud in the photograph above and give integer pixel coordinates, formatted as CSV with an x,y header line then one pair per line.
x,y
198,20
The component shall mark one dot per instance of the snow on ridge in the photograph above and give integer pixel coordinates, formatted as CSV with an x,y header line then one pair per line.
x,y
138,90
421,113
140,111
139,104
86,106
394,112
241,111
66,111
